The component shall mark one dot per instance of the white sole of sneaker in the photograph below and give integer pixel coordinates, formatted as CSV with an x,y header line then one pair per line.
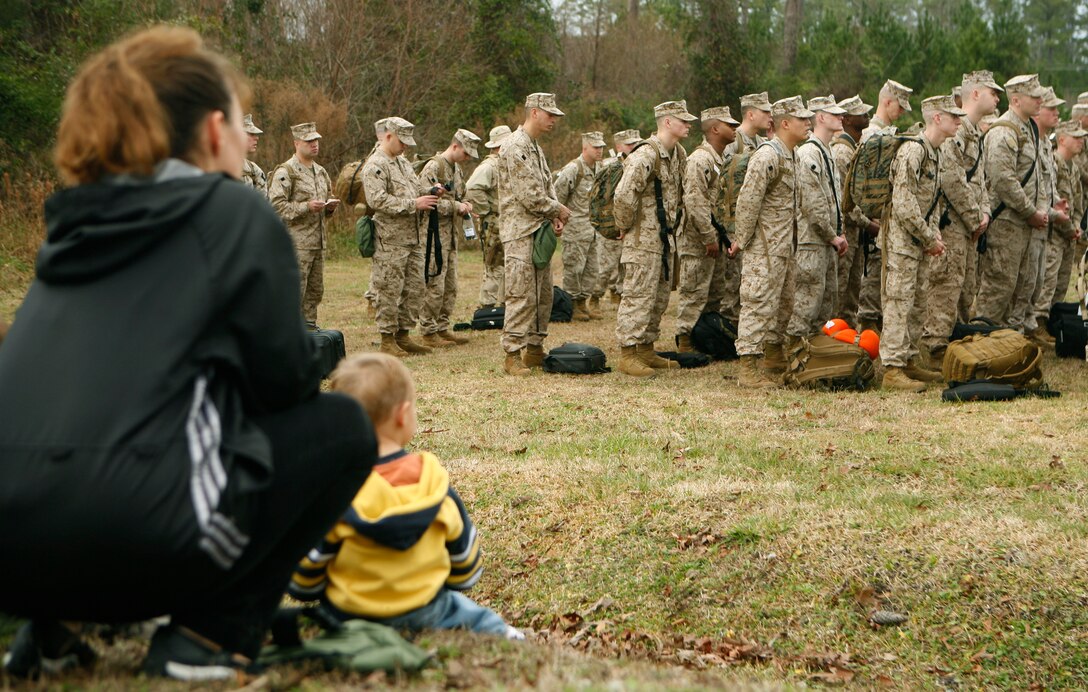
x,y
188,673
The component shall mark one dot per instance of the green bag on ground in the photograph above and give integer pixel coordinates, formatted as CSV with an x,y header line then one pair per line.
x,y
358,645
544,242
364,235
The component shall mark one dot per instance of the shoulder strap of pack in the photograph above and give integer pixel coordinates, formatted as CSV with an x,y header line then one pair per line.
x,y
351,183
829,166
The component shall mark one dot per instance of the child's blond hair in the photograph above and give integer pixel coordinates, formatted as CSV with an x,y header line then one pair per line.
x,y
378,381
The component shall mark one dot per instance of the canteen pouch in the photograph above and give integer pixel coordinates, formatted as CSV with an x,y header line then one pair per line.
x,y
544,242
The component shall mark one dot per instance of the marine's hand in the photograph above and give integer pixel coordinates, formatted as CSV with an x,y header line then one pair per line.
x,y
712,249
840,244
426,202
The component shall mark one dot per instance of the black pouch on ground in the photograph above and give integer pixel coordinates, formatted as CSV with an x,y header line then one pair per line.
x,y
1069,330
976,325
330,349
687,360
984,390
562,305
715,336
489,318
576,359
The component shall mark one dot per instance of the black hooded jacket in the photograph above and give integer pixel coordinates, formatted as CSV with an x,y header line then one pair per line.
x,y
142,289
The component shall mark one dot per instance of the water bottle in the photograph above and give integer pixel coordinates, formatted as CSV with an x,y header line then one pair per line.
x,y
469,228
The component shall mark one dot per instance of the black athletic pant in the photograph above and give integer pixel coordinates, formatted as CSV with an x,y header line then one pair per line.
x,y
322,449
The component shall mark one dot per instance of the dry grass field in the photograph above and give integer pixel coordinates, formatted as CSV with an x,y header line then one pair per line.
x,y
684,532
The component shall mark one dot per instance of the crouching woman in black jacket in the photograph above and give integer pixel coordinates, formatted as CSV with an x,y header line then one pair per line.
x,y
163,446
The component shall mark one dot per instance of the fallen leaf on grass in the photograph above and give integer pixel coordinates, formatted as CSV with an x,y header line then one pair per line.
x,y
867,598
603,603
886,618
1056,462
835,676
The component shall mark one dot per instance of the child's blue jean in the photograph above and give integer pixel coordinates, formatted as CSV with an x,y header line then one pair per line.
x,y
449,610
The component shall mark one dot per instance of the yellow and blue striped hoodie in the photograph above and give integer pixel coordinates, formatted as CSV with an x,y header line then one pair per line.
x,y
405,536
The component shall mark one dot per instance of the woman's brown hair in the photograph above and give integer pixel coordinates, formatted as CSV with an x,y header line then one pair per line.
x,y
139,101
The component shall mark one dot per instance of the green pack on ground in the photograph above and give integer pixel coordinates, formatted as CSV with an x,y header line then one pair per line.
x,y
869,178
822,362
358,645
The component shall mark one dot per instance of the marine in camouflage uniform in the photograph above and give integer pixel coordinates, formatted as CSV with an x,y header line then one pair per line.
x,y
906,235
1080,114
852,264
1061,245
894,101
444,170
700,240
766,225
527,200
392,189
1009,269
482,192
252,175
610,270
812,286
573,186
952,274
647,246
299,190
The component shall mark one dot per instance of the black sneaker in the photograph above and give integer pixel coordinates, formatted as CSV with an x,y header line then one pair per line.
x,y
179,653
46,646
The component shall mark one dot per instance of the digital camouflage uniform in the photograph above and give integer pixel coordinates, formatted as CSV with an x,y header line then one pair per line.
x,y
766,225
733,268
397,268
609,268
702,278
905,234
646,281
852,264
292,187
254,177
952,275
814,270
527,199
869,310
440,295
1009,268
1061,245
482,192
573,185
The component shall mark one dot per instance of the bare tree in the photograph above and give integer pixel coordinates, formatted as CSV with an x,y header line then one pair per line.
x,y
794,16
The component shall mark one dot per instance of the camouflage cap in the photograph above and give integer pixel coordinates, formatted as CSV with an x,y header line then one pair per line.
x,y
900,92
674,109
1026,84
943,103
249,127
1082,98
404,130
760,101
826,104
469,141
1051,100
792,106
855,106
593,139
718,113
979,78
495,137
627,137
1080,110
1070,128
305,132
544,102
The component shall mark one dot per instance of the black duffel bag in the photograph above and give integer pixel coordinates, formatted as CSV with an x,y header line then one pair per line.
x,y
715,336
576,359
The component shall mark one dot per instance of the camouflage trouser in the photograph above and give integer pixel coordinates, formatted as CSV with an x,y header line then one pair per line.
x,y
730,308
946,285
528,297
869,301
851,268
1006,247
371,295
811,291
609,269
396,280
493,286
580,267
1055,281
311,269
441,291
970,281
903,303
645,298
763,279
702,289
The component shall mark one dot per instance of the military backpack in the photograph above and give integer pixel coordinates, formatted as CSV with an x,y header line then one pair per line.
x,y
1003,357
349,187
823,362
603,196
730,181
869,178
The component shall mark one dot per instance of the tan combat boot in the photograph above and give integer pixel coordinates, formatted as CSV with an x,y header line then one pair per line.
x,y
435,341
631,364
915,371
683,343
513,365
648,355
533,356
752,375
896,378
389,345
1042,337
447,335
580,314
614,298
774,360
593,307
406,343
